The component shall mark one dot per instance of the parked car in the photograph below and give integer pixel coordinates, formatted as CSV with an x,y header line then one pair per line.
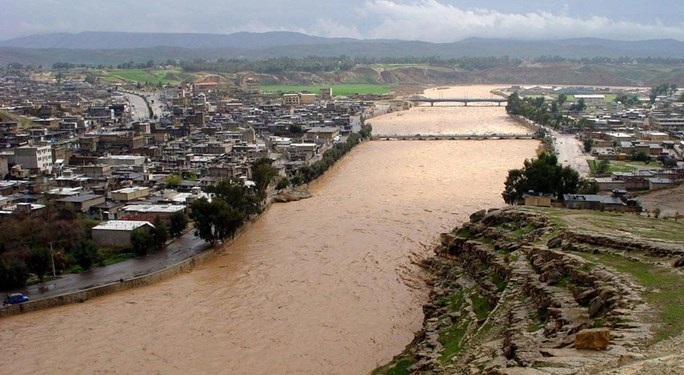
x,y
14,298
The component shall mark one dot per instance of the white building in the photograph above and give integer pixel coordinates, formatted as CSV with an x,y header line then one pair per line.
x,y
117,232
37,158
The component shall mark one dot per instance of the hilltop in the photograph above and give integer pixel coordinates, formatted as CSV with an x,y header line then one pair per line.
x,y
118,47
525,290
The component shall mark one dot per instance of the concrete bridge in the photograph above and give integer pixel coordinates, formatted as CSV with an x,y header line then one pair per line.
x,y
465,101
453,137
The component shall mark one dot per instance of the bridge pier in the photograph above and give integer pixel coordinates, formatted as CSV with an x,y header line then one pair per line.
x,y
432,104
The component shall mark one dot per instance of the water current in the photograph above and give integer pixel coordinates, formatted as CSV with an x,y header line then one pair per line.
x,y
326,285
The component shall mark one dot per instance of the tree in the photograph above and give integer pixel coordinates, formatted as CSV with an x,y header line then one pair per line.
x,y
178,222
541,175
579,106
159,233
142,241
173,180
215,220
662,89
603,167
640,156
588,186
85,254
295,129
588,145
236,195
13,273
562,98
282,184
262,174
39,261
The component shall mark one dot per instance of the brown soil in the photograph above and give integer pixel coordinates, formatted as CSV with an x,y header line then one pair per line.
x,y
669,201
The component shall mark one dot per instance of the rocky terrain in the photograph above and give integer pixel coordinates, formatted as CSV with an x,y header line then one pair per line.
x,y
549,291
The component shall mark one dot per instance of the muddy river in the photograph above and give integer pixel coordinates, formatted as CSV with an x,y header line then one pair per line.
x,y
326,285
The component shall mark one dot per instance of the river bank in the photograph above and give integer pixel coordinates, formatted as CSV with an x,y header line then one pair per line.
x,y
327,284
104,281
528,291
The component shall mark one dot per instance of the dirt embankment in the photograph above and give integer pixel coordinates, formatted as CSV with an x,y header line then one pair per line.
x,y
668,202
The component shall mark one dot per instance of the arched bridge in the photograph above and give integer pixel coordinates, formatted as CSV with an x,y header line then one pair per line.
x,y
465,101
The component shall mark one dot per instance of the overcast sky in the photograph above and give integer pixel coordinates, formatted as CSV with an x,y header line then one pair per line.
x,y
428,20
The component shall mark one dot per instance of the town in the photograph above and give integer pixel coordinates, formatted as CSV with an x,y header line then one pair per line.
x,y
131,158
631,139
126,159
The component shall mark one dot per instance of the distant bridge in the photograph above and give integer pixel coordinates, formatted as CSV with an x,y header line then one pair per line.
x,y
465,101
453,137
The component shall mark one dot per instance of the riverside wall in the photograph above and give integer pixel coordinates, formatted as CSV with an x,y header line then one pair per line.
x,y
143,280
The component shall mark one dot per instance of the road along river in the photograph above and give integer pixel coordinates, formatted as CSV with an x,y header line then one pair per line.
x,y
325,285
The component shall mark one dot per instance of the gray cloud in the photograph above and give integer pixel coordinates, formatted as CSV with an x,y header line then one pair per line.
x,y
436,21
430,20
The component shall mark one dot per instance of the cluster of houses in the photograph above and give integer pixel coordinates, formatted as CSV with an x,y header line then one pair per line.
x,y
653,130
83,149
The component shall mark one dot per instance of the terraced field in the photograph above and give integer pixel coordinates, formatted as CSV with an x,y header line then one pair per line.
x,y
550,291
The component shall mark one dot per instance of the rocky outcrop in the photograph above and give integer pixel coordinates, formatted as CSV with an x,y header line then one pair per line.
x,y
509,298
574,240
292,195
592,339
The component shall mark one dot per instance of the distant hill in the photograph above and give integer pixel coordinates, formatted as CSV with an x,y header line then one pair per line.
x,y
117,47
122,40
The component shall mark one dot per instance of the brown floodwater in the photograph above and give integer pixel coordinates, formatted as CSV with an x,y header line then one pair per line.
x,y
451,118
326,285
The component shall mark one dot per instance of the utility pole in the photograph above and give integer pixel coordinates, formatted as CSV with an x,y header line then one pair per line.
x,y
52,257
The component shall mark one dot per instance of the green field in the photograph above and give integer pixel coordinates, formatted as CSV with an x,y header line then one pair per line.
x,y
608,98
154,76
338,90
621,166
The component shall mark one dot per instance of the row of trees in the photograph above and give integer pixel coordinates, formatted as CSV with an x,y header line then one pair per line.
x,y
667,89
232,203
28,244
311,64
536,109
308,173
316,64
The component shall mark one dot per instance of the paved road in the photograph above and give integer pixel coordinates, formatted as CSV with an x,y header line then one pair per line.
x,y
570,151
180,249
138,103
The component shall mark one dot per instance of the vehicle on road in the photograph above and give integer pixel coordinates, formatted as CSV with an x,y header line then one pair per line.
x,y
14,298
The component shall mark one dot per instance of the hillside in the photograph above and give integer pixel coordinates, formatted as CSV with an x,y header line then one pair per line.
x,y
552,291
117,47
100,40
412,78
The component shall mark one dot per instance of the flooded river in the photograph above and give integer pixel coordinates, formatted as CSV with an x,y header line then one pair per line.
x,y
320,286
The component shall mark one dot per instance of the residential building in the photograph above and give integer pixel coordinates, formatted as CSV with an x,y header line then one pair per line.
x,y
34,158
117,233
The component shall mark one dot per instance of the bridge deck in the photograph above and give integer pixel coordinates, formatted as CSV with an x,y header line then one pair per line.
x,y
433,137
465,101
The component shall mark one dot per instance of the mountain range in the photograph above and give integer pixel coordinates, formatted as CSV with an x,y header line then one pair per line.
x,y
117,47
